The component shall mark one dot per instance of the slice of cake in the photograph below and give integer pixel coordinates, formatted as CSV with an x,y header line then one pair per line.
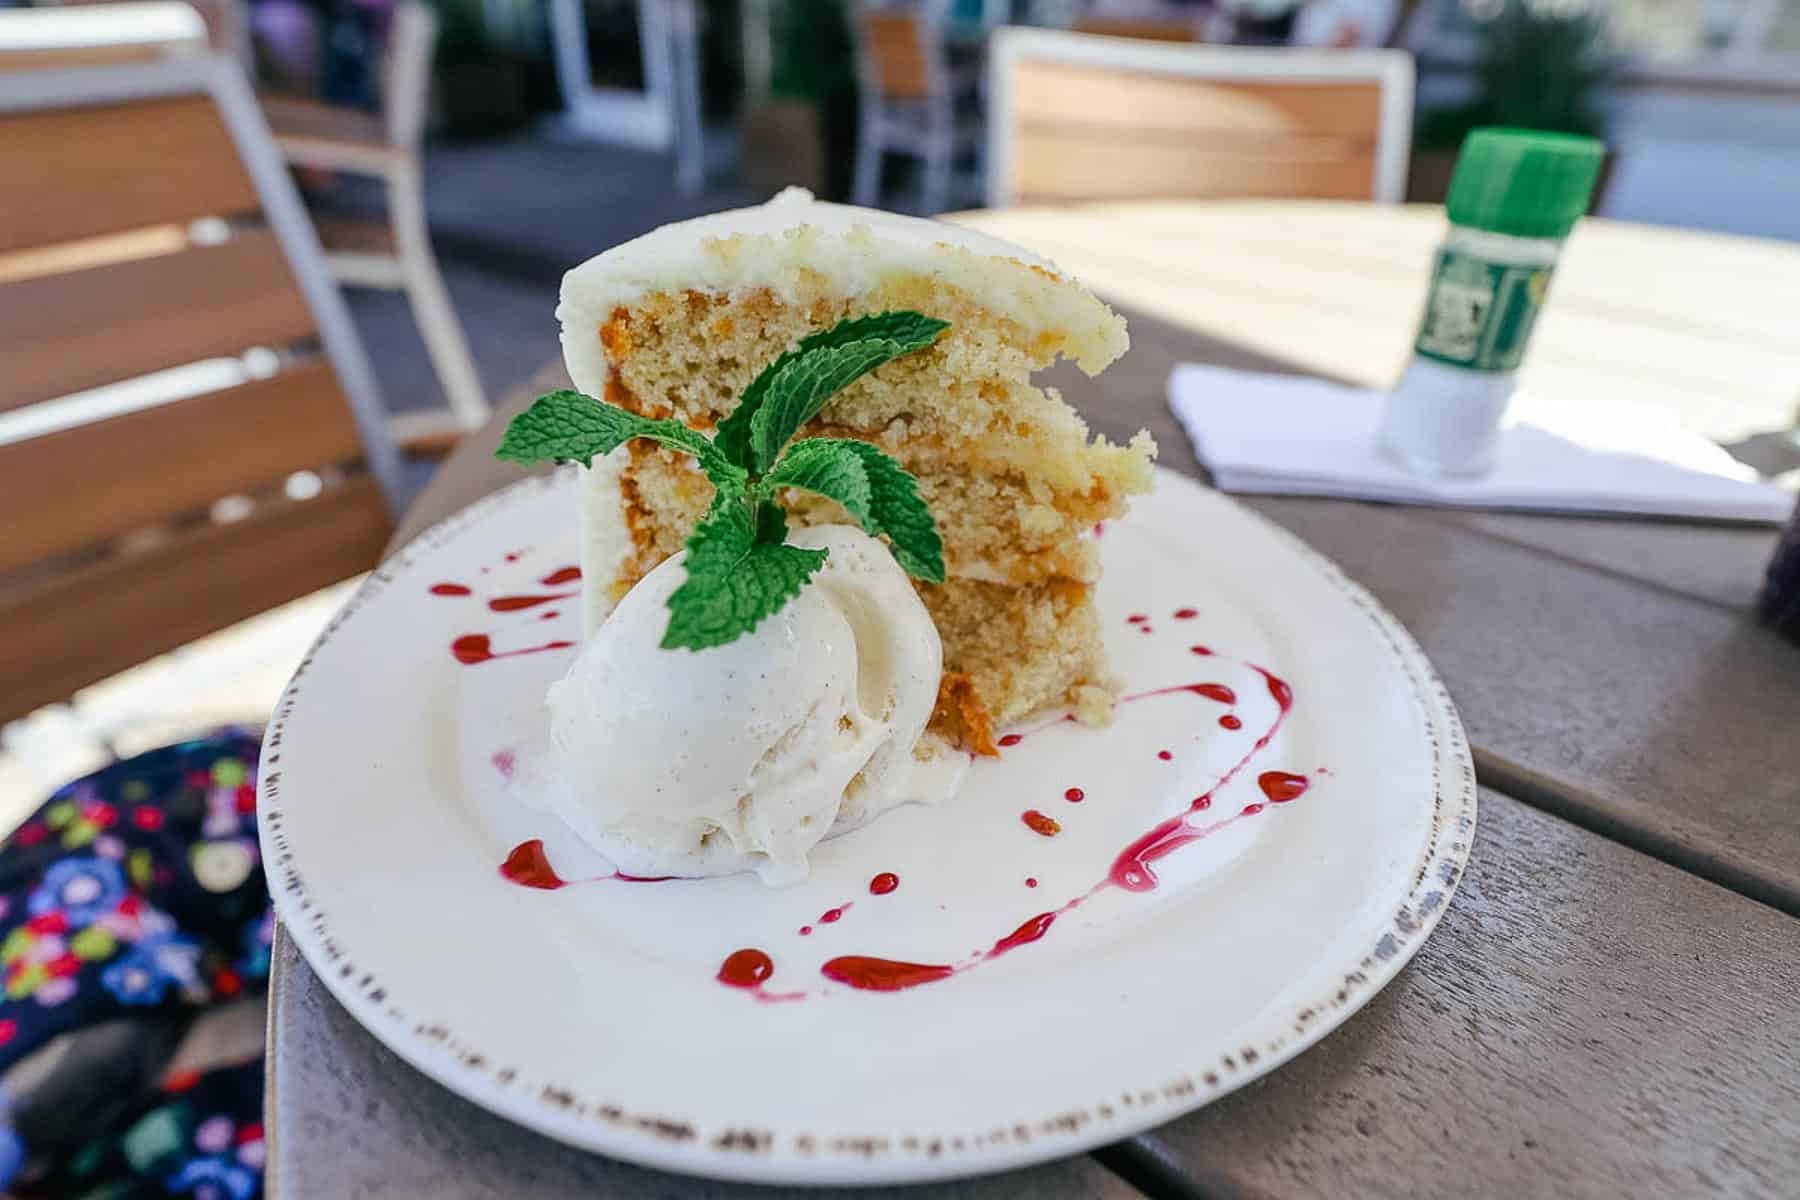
x,y
676,323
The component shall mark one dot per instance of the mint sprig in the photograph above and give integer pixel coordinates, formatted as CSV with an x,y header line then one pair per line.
x,y
739,567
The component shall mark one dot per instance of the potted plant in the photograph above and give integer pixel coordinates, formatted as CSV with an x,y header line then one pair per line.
x,y
1539,64
804,130
479,87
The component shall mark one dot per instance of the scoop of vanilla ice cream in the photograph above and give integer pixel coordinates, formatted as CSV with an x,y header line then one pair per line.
x,y
745,756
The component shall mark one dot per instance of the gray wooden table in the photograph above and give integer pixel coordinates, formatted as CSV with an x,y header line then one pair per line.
x,y
1610,1007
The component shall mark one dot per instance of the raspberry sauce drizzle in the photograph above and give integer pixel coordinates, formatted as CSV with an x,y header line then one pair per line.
x,y
1131,871
883,883
448,589
516,603
882,974
561,576
528,866
472,649
749,970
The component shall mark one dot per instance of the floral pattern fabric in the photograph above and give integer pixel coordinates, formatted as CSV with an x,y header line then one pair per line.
x,y
138,892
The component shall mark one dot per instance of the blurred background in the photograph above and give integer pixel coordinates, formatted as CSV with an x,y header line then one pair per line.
x,y
458,156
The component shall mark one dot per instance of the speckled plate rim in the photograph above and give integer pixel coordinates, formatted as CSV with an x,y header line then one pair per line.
x,y
740,1152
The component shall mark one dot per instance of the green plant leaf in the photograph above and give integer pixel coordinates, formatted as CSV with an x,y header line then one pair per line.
x,y
892,506
570,426
909,330
733,580
829,468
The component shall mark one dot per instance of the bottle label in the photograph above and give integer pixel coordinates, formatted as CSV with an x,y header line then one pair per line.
x,y
1479,314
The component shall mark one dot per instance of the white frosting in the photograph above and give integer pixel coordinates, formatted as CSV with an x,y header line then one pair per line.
x,y
769,245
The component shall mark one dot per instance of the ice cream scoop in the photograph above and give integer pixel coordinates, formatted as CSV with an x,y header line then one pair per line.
x,y
745,756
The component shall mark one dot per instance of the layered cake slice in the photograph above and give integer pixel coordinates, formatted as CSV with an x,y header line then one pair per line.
x,y
678,322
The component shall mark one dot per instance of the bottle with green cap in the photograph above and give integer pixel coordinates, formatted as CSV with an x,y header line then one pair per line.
x,y
1515,196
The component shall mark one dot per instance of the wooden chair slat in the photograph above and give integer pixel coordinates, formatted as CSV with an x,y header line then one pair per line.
x,y
1127,105
52,58
1149,29
117,167
891,46
108,478
86,625
66,333
1048,171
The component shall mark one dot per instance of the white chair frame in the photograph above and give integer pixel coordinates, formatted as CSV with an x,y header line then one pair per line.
x,y
1392,70
880,130
413,267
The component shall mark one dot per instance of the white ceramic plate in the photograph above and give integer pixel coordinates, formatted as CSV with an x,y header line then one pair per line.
x,y
593,1012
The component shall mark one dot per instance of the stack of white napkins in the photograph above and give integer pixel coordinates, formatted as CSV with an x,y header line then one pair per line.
x,y
1298,436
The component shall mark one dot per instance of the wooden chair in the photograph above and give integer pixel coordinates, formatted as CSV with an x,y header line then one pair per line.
x,y
909,92
98,35
1077,117
395,254
1154,29
171,338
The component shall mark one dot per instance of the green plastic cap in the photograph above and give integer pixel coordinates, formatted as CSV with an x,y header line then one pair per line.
x,y
1523,182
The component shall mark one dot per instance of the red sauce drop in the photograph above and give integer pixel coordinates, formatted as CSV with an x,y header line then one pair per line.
x,y
528,866
1215,691
745,969
1200,650
1230,722
1074,795
515,603
1131,870
806,931
561,576
449,589
515,556
1278,688
882,974
1012,739
550,616
1024,935
832,916
1030,881
622,877
1164,755
1186,614
504,762
1280,787
1138,618
473,648
1201,803
1250,810
1039,823
884,883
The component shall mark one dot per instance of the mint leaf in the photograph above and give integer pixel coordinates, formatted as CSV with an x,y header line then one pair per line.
x,y
896,510
829,468
799,390
876,491
572,426
910,331
733,580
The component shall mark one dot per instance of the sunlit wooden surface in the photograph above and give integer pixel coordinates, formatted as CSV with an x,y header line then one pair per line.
x,y
1701,326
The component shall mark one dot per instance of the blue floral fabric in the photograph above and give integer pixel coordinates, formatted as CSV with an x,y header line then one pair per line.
x,y
138,892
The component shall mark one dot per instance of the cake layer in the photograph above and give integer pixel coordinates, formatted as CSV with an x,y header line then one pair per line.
x,y
802,251
1012,651
1004,527
677,325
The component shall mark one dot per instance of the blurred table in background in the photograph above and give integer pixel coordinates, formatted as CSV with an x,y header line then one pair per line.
x,y
1698,325
1608,1006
